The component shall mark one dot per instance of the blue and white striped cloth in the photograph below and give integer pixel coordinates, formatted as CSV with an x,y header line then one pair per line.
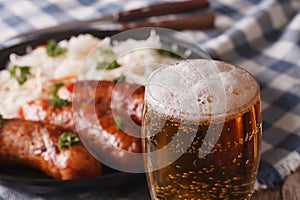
x,y
262,36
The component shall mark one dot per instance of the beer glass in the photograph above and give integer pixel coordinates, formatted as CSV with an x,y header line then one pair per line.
x,y
201,131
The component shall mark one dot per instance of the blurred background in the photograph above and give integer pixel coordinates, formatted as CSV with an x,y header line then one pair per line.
x,y
262,36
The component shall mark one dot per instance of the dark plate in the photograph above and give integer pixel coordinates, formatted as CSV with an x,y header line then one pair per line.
x,y
34,181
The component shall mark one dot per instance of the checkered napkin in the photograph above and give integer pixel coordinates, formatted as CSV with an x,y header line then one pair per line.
x,y
262,36
265,40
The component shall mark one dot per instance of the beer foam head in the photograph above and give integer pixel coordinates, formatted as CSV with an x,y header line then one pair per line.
x,y
200,89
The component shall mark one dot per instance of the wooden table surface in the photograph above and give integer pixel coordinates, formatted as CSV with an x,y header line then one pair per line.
x,y
289,190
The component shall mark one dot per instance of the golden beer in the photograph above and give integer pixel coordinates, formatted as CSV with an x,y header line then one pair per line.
x,y
219,160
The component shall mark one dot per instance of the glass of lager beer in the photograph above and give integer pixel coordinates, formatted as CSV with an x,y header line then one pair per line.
x,y
201,131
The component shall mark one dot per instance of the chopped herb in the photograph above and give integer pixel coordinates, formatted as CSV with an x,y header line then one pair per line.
x,y
102,65
66,140
118,122
169,51
57,85
108,65
109,62
120,79
114,64
20,73
106,52
53,49
1,118
55,100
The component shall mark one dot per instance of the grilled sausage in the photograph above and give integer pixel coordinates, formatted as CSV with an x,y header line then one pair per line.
x,y
36,144
106,95
96,106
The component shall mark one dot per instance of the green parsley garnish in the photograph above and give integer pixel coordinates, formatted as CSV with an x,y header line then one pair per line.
x,y
109,62
169,51
55,100
106,52
120,79
118,122
108,65
56,87
20,73
102,65
66,140
53,49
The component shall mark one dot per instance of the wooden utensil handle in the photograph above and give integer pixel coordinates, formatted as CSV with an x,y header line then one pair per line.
x,y
160,9
192,22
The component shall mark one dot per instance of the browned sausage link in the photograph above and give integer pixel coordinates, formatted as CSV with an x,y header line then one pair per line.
x,y
128,99
124,99
126,96
35,144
